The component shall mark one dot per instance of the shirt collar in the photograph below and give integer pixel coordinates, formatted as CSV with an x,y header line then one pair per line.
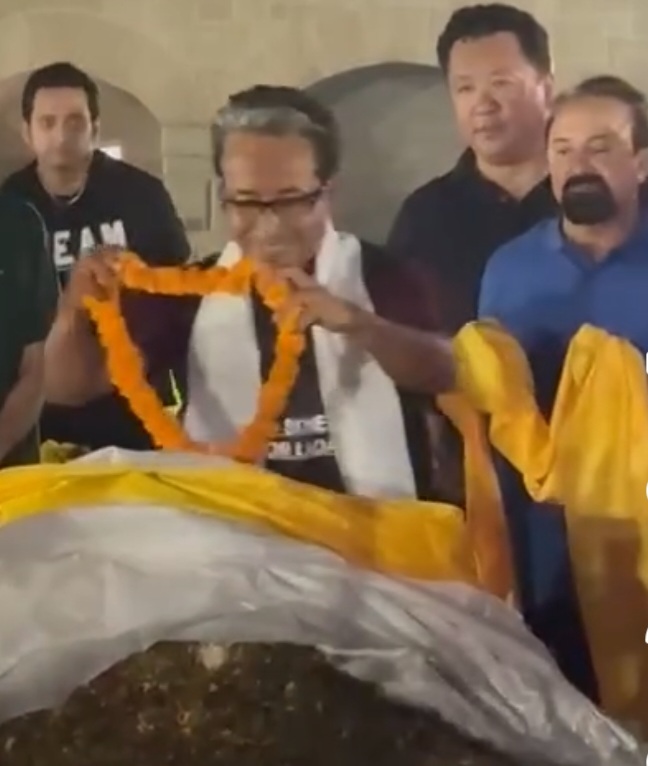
x,y
466,172
557,241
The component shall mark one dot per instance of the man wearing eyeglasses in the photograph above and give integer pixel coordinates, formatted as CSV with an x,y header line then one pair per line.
x,y
357,419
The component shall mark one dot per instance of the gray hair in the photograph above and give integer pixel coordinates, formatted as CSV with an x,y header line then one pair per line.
x,y
272,120
280,111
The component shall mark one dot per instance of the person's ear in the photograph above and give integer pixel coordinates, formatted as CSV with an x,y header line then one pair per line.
x,y
548,86
25,132
641,162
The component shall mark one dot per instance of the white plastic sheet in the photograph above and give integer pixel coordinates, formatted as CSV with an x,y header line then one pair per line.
x,y
85,588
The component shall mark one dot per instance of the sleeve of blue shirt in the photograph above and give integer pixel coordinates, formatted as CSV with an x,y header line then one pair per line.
x,y
493,287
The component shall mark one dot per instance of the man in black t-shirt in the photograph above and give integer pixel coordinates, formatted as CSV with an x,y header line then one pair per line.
x,y
89,200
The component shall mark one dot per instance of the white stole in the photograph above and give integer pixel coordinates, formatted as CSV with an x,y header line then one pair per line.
x,y
360,401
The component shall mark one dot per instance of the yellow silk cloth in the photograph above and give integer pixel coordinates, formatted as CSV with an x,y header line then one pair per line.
x,y
591,458
430,541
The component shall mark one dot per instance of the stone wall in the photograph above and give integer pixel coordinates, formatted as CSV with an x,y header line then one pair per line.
x,y
181,59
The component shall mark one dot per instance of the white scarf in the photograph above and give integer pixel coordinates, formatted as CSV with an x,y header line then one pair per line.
x,y
360,401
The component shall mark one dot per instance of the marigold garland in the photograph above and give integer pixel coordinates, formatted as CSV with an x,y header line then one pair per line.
x,y
126,367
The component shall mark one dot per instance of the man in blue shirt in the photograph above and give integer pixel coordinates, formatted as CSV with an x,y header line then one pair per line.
x,y
588,266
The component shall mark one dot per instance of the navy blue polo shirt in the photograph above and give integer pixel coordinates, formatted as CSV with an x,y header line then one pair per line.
x,y
543,289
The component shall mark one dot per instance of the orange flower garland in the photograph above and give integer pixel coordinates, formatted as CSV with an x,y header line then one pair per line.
x,y
126,367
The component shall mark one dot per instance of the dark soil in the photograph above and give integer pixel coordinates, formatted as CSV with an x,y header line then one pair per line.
x,y
251,705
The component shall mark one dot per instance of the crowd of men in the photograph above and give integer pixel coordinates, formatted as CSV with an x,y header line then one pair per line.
x,y
540,225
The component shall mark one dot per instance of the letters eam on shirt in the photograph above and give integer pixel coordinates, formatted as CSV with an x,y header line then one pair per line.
x,y
68,244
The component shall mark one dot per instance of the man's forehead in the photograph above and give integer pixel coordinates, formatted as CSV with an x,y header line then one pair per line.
x,y
59,99
285,155
500,50
255,143
264,164
591,116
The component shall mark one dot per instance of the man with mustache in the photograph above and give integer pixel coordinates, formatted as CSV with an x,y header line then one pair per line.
x,y
588,265
535,284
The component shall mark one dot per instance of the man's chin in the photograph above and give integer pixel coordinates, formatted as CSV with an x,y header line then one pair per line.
x,y
496,152
63,164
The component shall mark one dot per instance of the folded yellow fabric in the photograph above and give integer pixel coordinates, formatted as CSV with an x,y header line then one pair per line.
x,y
422,540
486,527
592,458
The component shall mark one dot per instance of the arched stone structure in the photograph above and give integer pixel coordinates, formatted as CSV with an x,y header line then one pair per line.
x,y
340,38
398,132
118,54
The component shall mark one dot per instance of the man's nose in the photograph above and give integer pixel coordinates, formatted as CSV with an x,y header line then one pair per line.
x,y
267,220
59,134
580,164
485,102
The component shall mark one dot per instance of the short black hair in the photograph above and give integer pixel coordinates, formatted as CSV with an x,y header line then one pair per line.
x,y
618,89
320,126
474,21
61,74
